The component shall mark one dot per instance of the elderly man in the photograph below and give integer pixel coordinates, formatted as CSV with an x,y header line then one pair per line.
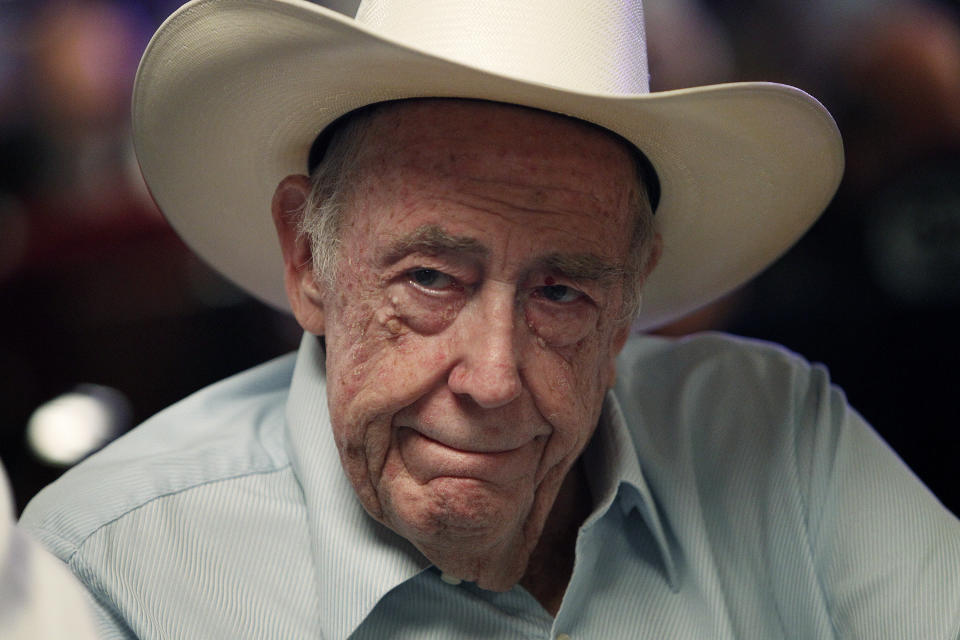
x,y
468,443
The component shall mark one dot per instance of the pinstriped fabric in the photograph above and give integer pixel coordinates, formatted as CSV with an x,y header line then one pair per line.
x,y
737,496
186,583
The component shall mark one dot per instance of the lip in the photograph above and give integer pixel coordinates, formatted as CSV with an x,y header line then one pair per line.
x,y
427,458
471,451
472,436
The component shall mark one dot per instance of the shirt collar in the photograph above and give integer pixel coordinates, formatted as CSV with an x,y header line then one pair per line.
x,y
357,560
613,471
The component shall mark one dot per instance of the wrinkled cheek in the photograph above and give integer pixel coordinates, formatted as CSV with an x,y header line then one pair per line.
x,y
362,456
560,453
350,361
584,375
355,467
574,409
370,352
560,330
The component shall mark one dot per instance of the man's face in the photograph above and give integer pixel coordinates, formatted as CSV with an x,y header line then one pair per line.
x,y
473,323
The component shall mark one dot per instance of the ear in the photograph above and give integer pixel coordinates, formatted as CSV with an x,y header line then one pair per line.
x,y
656,249
303,291
622,333
620,336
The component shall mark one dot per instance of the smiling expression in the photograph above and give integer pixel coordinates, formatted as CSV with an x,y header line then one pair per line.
x,y
473,323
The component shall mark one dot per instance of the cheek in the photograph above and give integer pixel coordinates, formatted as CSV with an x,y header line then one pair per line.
x,y
363,454
376,362
562,328
348,349
363,335
570,382
575,352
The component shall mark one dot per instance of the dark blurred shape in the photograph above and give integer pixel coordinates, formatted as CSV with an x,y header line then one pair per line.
x,y
899,82
686,45
94,284
912,243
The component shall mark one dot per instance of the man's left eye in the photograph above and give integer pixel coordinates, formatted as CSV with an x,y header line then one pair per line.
x,y
431,279
560,293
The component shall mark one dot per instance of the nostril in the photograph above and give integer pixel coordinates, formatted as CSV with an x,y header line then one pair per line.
x,y
488,385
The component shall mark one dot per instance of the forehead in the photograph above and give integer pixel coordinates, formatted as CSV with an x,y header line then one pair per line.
x,y
443,135
479,162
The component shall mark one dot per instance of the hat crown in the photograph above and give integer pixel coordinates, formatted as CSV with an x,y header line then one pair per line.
x,y
590,46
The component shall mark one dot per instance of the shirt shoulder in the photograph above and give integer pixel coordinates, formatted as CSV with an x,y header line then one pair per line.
x,y
726,416
766,476
709,371
711,348
231,429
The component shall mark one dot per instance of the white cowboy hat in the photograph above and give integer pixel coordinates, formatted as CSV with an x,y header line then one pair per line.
x,y
230,94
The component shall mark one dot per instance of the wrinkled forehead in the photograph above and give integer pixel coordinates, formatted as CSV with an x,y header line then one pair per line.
x,y
432,134
499,141
508,158
490,124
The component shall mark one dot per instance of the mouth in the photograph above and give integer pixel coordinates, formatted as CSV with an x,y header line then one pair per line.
x,y
427,458
471,450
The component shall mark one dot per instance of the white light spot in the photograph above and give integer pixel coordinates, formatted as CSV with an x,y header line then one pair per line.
x,y
73,425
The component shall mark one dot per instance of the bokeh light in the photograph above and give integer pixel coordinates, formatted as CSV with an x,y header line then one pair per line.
x,y
73,425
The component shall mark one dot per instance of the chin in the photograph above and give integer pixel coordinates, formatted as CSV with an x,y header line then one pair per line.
x,y
458,510
466,530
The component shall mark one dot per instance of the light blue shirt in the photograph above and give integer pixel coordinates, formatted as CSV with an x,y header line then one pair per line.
x,y
736,495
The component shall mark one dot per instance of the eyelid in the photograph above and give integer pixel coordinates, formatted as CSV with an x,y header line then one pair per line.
x,y
578,294
589,287
452,265
581,294
452,284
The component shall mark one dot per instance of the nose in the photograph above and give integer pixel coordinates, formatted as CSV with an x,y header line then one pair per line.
x,y
487,367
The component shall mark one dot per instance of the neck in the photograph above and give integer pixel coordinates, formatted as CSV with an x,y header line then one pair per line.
x,y
551,563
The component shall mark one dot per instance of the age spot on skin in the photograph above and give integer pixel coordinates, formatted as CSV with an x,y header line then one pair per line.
x,y
388,319
393,326
541,342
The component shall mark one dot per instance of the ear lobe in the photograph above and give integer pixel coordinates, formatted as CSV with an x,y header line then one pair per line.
x,y
621,334
653,258
616,345
303,291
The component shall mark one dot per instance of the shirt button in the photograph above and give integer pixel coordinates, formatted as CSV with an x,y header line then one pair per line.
x,y
453,580
563,636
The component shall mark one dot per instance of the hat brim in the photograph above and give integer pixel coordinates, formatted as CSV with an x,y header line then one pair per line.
x,y
229,97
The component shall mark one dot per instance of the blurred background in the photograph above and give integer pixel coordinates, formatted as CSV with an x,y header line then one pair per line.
x,y
106,318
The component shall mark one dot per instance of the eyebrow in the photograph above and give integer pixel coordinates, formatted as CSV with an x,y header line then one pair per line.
x,y
583,267
433,239
430,239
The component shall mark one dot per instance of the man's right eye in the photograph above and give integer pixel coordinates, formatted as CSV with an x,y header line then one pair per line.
x,y
431,279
